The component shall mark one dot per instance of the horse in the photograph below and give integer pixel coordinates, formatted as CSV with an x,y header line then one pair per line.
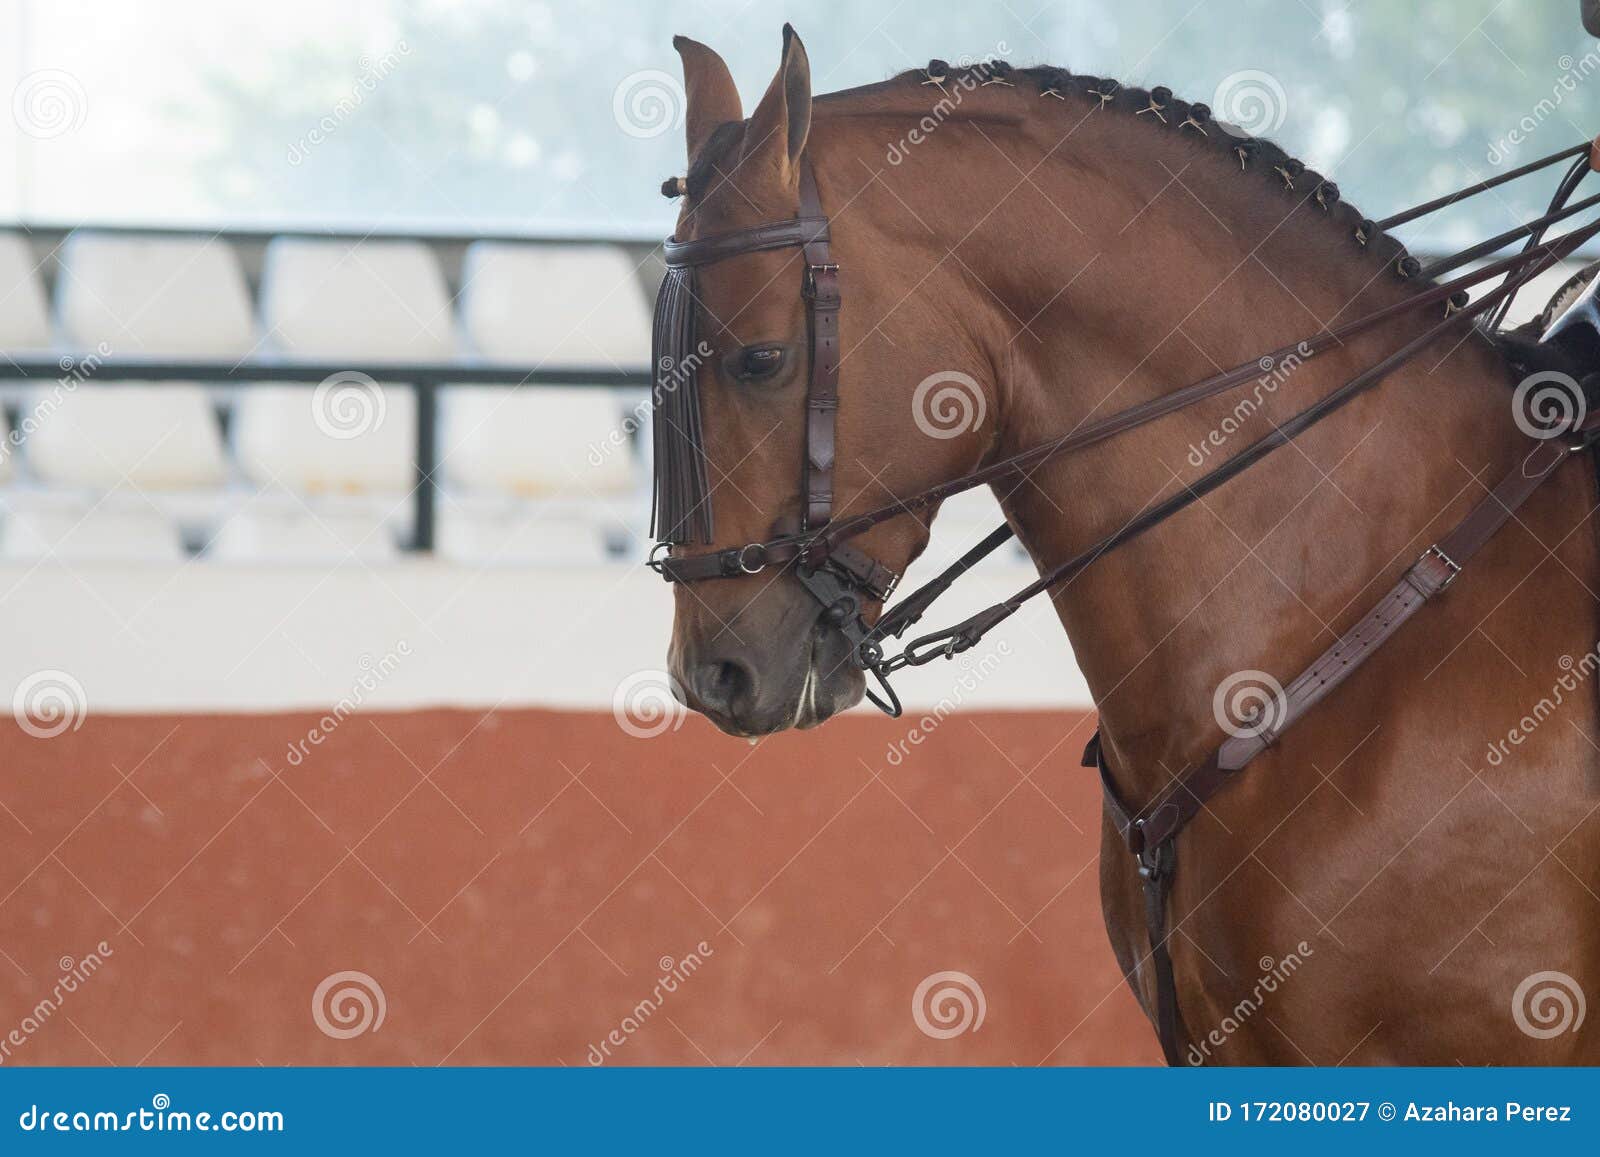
x,y
1423,846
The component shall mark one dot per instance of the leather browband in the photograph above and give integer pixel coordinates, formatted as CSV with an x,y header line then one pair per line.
x,y
821,292
796,231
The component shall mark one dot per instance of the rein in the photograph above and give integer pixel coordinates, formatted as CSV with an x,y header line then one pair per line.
x,y
840,577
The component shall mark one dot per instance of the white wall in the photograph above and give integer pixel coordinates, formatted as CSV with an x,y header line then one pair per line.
x,y
207,636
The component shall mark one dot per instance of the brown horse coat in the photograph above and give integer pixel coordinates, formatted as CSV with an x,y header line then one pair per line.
x,y
1423,846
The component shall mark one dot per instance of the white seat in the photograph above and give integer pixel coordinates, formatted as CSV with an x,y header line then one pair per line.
x,y
81,530
369,299
278,528
535,442
351,436
362,300
152,295
24,315
486,534
153,437
555,304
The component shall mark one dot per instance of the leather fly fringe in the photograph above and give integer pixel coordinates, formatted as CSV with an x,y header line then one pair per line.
x,y
681,511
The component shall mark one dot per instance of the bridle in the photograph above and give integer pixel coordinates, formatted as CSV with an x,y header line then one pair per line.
x,y
841,577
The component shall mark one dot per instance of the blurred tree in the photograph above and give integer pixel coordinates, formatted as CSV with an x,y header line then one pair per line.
x,y
543,116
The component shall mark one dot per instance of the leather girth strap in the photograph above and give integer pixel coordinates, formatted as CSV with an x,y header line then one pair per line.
x,y
1150,833
822,394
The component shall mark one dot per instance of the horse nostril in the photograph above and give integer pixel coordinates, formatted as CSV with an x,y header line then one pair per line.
x,y
729,680
725,685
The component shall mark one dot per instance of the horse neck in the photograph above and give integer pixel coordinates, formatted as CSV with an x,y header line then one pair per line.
x,y
1128,262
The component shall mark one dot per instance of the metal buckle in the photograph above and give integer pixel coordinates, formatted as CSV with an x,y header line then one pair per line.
x,y
745,566
809,288
1155,863
1451,564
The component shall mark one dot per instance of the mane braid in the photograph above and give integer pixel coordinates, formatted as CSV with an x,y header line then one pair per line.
x,y
1251,157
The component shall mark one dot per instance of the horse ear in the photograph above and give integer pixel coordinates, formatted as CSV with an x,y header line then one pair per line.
x,y
782,121
708,87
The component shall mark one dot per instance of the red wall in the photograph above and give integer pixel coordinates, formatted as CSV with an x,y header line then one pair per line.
x,y
515,884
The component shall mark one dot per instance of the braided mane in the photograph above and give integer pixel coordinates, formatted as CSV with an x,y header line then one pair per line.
x,y
1252,157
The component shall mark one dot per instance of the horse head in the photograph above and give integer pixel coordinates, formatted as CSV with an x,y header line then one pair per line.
x,y
750,445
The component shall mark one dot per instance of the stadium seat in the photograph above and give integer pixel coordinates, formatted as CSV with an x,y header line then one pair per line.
x,y
550,305
147,296
332,299
35,526
556,305
347,445
24,315
94,436
352,436
155,296
274,527
536,441
488,533
369,300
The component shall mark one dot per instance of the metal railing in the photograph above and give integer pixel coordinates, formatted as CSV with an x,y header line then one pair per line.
x,y
425,379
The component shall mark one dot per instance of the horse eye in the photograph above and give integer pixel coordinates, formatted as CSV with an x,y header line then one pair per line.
x,y
760,361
